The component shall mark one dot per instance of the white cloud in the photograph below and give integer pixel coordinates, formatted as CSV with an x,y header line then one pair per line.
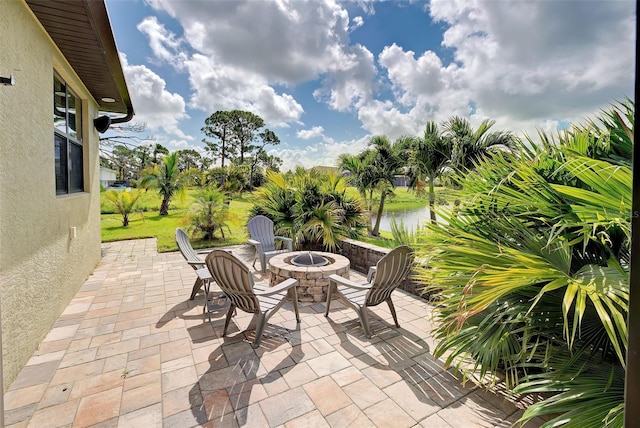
x,y
164,44
225,88
285,41
523,64
322,154
153,104
350,81
356,23
316,131
527,65
240,50
535,60
411,78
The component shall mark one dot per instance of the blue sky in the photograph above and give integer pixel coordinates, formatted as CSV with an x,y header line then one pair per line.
x,y
327,75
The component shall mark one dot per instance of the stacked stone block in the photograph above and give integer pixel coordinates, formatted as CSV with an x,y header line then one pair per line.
x,y
313,282
363,255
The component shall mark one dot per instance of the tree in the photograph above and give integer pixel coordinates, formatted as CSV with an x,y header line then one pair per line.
x,y
230,179
220,125
270,162
383,167
245,125
205,163
188,158
143,157
469,146
428,159
129,155
260,156
123,160
192,177
372,170
312,208
159,149
166,178
235,131
356,168
124,202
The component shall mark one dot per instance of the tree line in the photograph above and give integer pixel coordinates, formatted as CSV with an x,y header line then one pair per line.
x,y
237,139
453,145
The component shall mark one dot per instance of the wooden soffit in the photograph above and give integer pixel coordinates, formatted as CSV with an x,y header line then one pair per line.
x,y
82,31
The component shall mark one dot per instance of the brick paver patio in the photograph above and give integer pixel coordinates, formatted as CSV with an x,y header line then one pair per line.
x,y
131,350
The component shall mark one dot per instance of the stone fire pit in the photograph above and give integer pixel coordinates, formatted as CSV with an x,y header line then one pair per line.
x,y
313,281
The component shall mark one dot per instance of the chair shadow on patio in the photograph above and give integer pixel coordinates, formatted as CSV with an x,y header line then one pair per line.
x,y
400,363
182,309
239,376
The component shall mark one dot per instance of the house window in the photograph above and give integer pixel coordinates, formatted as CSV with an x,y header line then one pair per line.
x,y
67,139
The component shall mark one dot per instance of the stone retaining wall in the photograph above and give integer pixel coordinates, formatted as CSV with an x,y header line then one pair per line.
x,y
362,256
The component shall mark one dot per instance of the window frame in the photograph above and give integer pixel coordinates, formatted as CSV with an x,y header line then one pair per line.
x,y
67,139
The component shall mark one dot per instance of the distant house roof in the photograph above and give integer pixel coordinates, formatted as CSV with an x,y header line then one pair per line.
x,y
82,31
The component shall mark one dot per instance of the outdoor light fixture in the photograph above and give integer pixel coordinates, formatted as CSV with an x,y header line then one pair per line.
x,y
7,81
102,123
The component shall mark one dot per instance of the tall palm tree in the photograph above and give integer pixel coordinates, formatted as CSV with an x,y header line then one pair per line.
x,y
353,165
165,178
429,157
469,146
383,167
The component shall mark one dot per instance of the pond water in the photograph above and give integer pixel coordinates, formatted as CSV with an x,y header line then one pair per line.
x,y
411,218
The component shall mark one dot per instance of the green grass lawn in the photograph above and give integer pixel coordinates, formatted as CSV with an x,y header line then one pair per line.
x,y
149,224
404,199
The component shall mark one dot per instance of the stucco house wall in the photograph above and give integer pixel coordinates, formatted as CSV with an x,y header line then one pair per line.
x,y
42,261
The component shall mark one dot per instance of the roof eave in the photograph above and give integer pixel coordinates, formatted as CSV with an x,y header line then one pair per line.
x,y
94,56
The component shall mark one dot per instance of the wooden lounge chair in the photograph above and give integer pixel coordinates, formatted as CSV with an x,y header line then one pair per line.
x,y
236,280
264,240
203,277
387,275
192,257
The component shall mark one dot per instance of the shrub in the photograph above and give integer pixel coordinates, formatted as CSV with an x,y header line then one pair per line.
x,y
124,202
208,214
312,208
533,271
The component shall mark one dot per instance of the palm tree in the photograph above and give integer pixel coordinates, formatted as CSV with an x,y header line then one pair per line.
x,y
361,174
382,167
429,157
124,202
208,213
533,272
353,166
166,178
312,208
469,146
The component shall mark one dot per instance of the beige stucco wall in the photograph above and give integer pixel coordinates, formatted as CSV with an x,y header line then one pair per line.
x,y
41,266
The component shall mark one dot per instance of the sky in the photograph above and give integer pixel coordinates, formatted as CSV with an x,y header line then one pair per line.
x,y
328,75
